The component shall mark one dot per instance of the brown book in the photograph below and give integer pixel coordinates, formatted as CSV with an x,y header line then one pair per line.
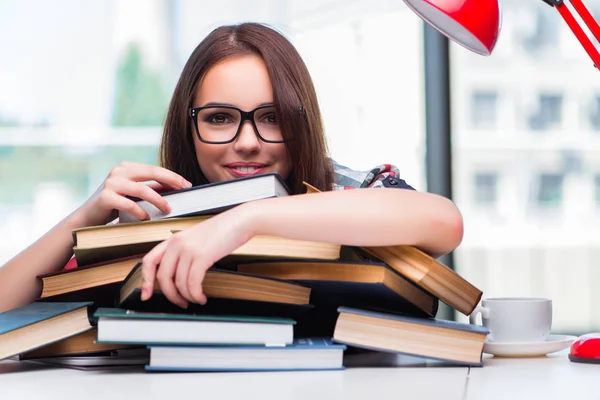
x,y
96,244
431,275
87,277
355,284
227,285
423,337
84,343
39,324
422,269
107,242
143,231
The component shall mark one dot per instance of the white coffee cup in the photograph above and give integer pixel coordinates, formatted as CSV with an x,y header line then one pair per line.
x,y
515,319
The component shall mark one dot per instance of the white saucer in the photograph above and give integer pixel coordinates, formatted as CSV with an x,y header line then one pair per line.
x,y
552,344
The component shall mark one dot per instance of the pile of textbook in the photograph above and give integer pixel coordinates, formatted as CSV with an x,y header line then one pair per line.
x,y
273,304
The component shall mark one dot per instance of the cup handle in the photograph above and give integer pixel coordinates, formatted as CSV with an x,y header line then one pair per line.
x,y
485,313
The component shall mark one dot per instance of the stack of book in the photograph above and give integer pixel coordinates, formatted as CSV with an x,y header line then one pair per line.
x,y
273,304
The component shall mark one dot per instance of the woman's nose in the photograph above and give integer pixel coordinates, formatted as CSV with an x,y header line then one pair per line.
x,y
248,139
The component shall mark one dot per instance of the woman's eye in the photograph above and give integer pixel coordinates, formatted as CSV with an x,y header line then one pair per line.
x,y
270,119
218,119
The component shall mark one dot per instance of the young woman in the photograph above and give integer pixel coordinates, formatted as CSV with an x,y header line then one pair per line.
x,y
244,104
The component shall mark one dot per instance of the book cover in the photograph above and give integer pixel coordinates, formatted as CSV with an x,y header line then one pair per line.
x,y
35,312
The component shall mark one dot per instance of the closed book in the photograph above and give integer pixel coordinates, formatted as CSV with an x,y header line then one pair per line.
x,y
83,343
91,276
132,327
101,296
222,284
214,197
39,324
348,283
101,243
302,354
426,272
108,242
422,337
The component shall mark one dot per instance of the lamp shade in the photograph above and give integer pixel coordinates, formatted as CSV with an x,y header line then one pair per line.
x,y
474,24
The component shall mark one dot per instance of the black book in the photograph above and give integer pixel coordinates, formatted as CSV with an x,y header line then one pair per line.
x,y
213,198
228,292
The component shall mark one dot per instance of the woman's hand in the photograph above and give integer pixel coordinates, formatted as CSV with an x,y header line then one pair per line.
x,y
127,179
185,257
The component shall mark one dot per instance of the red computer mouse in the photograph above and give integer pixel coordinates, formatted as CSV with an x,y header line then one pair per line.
x,y
586,349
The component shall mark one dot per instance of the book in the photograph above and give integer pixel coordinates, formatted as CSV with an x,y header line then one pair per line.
x,y
91,276
422,337
420,268
303,354
358,284
132,232
83,343
429,274
39,324
97,244
215,197
117,325
120,359
225,284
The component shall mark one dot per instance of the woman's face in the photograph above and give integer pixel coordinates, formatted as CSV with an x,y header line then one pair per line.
x,y
242,82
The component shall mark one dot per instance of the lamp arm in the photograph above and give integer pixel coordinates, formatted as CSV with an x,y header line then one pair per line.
x,y
587,18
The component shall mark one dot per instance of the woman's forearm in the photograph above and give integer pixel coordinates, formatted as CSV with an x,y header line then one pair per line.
x,y
18,277
362,217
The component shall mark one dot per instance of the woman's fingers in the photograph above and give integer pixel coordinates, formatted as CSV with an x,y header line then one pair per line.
x,y
142,172
125,187
113,201
149,265
182,274
166,274
195,280
158,187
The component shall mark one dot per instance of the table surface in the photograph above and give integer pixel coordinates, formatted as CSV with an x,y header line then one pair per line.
x,y
529,378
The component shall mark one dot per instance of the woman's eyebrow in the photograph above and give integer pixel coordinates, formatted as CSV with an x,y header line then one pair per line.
x,y
213,104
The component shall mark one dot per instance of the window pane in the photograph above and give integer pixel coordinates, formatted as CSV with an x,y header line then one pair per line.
x,y
485,188
550,190
594,113
597,189
548,114
483,106
543,31
542,237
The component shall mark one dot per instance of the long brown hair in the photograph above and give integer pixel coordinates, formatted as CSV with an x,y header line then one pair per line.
x,y
293,94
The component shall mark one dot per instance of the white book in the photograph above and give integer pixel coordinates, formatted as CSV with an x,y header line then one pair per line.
x,y
131,327
303,354
213,197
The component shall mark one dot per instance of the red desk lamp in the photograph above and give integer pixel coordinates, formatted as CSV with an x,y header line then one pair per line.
x,y
475,24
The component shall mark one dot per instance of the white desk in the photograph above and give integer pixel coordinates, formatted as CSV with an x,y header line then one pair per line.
x,y
539,378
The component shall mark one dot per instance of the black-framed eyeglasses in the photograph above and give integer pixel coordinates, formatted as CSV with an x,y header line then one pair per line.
x,y
220,124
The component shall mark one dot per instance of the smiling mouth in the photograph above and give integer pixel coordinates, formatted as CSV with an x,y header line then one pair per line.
x,y
246,170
